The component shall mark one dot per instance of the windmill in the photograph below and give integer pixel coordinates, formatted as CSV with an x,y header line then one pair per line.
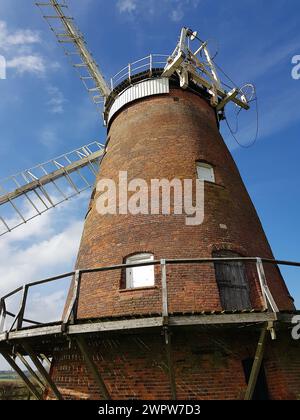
x,y
34,191
153,303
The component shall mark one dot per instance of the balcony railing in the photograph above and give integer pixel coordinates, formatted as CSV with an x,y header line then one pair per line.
x,y
148,63
19,319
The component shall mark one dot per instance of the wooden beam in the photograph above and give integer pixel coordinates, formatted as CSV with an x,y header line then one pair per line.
x,y
45,359
45,375
168,347
221,319
72,304
31,371
146,323
22,307
264,286
164,289
21,374
257,363
92,367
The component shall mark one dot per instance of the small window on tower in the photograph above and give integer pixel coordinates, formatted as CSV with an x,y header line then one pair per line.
x,y
205,172
140,276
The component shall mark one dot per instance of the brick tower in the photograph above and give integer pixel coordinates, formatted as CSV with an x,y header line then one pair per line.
x,y
189,328
169,135
159,306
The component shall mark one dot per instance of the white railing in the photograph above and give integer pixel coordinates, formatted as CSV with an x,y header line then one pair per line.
x,y
148,63
18,317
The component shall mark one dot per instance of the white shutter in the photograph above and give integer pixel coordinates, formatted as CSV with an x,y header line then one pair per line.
x,y
205,172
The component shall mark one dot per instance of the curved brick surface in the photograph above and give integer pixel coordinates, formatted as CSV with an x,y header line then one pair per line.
x,y
207,365
163,137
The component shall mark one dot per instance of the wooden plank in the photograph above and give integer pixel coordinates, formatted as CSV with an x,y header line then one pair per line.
x,y
264,285
140,323
107,326
45,359
257,363
164,289
74,297
221,319
168,347
21,374
42,371
2,314
34,332
22,308
31,371
92,367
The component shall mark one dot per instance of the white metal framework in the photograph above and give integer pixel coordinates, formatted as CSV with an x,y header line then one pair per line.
x,y
30,193
34,191
191,66
75,48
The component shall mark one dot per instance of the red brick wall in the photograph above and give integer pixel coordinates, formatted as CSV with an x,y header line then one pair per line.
x,y
207,365
160,137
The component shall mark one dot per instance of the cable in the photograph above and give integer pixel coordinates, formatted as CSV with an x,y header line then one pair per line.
x,y
233,133
251,99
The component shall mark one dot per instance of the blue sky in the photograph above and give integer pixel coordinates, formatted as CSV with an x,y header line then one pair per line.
x,y
44,110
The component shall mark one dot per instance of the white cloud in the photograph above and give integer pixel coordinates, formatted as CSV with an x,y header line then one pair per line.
x,y
177,14
49,250
20,37
19,49
56,101
27,64
126,6
175,9
42,248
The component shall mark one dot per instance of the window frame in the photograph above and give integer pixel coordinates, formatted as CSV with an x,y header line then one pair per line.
x,y
206,165
129,272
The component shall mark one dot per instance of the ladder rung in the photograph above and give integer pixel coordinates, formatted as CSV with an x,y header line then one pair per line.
x,y
58,17
72,53
95,89
60,41
49,4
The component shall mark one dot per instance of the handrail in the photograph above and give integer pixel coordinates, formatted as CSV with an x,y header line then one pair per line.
x,y
149,62
269,302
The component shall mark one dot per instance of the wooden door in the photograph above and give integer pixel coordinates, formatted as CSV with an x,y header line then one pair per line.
x,y
232,282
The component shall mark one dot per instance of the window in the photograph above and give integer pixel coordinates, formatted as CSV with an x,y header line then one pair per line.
x,y
140,276
205,172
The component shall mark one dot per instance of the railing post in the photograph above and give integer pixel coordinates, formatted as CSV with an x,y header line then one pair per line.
x,y
164,289
2,314
22,307
151,64
129,72
267,295
73,300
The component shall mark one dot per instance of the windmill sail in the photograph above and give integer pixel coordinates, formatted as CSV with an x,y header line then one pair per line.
x,y
34,191
71,39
